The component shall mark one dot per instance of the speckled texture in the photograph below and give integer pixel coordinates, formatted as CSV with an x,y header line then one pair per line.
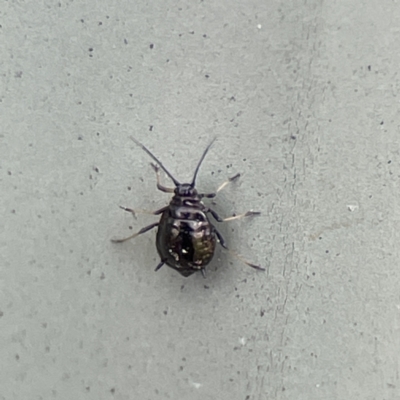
x,y
302,96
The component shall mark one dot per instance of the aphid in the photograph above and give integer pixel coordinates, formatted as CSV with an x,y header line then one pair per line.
x,y
186,239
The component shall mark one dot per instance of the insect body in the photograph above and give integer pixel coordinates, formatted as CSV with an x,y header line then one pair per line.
x,y
186,239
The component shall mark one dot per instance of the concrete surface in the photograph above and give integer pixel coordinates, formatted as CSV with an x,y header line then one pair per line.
x,y
303,97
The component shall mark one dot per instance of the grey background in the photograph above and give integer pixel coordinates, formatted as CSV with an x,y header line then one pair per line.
x,y
303,98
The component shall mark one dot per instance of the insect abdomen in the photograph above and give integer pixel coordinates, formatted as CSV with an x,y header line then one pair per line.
x,y
185,239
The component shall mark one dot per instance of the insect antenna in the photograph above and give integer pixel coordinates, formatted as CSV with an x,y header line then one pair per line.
x,y
158,161
201,160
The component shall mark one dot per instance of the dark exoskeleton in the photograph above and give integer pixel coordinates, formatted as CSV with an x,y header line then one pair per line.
x,y
186,239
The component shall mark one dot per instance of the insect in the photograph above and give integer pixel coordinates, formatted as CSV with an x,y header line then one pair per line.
x,y
186,238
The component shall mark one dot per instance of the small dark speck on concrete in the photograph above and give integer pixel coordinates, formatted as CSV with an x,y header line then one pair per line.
x,y
182,287
96,169
313,274
150,128
65,376
9,172
381,122
204,35
100,23
125,41
18,74
262,312
165,312
390,161
151,46
80,137
191,32
326,251
13,212
1,313
102,276
17,357
206,287
369,68
87,388
207,76
82,20
293,137
112,390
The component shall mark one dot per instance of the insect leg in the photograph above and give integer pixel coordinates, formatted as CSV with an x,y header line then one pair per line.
x,y
238,256
159,185
231,179
211,195
143,230
219,219
162,262
140,211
